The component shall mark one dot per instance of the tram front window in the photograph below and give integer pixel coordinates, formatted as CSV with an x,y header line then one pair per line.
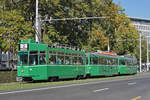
x,y
23,59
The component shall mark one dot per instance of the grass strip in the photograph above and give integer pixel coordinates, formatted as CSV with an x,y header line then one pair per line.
x,y
23,85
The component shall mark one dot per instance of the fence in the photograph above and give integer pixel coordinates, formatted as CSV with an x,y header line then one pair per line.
x,y
8,61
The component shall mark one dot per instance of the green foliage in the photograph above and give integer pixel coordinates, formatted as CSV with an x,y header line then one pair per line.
x,y
13,28
97,40
18,17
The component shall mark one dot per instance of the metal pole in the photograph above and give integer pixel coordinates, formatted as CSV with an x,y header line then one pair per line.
x,y
36,23
140,55
108,47
147,54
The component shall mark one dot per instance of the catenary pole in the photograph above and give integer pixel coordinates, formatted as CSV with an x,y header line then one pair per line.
x,y
36,23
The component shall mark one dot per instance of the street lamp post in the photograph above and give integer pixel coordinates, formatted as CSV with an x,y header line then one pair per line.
x,y
140,55
147,53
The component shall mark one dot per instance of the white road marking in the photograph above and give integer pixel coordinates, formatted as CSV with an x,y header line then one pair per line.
x,y
101,90
133,83
46,88
71,85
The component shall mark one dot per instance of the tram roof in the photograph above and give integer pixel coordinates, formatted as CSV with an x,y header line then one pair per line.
x,y
98,54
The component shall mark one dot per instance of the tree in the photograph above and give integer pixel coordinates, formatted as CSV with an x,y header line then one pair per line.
x,y
115,28
97,40
13,28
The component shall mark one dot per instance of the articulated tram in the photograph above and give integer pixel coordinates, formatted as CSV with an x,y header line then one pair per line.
x,y
37,61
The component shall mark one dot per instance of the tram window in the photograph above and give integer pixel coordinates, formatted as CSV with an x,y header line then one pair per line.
x,y
80,61
42,57
114,61
95,60
129,62
67,60
122,62
87,60
50,52
23,59
75,59
60,58
33,58
108,60
103,61
100,61
134,62
111,61
52,57
91,60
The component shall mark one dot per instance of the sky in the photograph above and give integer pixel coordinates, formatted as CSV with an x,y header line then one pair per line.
x,y
136,8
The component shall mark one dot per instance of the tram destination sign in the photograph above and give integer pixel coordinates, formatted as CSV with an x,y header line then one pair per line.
x,y
23,47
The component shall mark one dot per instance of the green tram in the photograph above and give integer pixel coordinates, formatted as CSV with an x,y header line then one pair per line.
x,y
107,65
37,61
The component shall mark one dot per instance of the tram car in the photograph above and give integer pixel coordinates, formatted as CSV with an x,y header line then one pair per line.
x,y
37,61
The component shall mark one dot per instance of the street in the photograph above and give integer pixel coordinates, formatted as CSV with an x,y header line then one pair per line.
x,y
118,89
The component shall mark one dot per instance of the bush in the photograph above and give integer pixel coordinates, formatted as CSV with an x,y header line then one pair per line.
x,y
8,76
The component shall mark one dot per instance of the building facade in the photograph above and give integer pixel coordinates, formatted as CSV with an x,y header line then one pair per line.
x,y
142,25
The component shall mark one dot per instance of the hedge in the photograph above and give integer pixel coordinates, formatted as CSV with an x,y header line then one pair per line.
x,y
8,76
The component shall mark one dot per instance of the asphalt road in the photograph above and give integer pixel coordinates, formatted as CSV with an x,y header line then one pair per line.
x,y
119,89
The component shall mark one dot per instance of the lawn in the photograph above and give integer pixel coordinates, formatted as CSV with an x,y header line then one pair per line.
x,y
22,85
